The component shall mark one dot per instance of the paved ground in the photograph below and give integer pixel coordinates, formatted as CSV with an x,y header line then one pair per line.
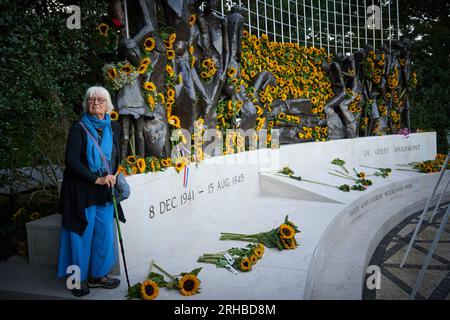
x,y
396,283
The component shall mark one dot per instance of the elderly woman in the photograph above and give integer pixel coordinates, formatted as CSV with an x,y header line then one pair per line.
x,y
87,233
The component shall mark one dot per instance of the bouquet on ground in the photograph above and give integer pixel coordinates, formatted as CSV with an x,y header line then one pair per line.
x,y
282,237
360,177
235,258
428,166
286,171
187,283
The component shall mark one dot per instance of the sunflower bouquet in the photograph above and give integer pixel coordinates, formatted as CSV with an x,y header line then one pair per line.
x,y
235,258
361,182
134,165
208,69
118,75
428,166
282,237
187,283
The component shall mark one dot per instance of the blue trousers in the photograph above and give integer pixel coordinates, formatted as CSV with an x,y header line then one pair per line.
x,y
94,251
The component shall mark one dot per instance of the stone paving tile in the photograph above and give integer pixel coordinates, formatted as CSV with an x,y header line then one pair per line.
x,y
390,291
430,232
430,281
407,229
442,249
415,256
396,283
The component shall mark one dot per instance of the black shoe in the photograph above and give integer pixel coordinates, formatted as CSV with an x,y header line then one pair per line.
x,y
84,290
103,282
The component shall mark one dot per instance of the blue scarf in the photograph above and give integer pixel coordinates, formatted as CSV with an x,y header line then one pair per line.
x,y
93,155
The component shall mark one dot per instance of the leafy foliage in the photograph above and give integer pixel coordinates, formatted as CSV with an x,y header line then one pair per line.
x,y
45,69
427,24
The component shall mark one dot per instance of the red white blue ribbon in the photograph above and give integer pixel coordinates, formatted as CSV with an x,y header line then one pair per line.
x,y
186,176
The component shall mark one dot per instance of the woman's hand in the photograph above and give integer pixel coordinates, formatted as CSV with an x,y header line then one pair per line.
x,y
109,180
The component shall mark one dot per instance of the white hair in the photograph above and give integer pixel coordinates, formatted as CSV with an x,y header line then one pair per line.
x,y
97,91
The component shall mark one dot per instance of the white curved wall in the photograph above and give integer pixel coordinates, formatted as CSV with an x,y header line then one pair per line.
x,y
174,224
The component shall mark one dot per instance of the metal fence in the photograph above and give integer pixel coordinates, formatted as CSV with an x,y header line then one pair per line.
x,y
337,25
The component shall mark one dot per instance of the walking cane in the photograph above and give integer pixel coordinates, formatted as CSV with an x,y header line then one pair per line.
x,y
120,236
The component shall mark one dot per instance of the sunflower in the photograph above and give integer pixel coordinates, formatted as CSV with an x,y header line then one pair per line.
x,y
151,101
35,215
261,247
131,160
361,175
231,72
170,54
253,259
258,252
192,19
127,68
122,170
199,123
167,44
170,93
179,164
103,29
149,44
149,290
112,73
166,162
142,68
212,72
289,243
174,121
140,165
149,86
281,115
114,116
161,97
169,70
170,101
207,63
189,284
172,38
245,264
145,61
134,170
286,231
199,154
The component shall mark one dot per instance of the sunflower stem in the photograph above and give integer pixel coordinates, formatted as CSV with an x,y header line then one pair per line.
x,y
240,239
407,170
306,180
344,168
369,167
333,174
164,271
324,184
344,174
240,234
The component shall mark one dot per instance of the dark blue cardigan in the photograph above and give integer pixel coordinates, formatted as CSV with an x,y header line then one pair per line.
x,y
78,190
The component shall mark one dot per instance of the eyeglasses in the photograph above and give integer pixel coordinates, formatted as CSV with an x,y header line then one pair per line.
x,y
100,100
